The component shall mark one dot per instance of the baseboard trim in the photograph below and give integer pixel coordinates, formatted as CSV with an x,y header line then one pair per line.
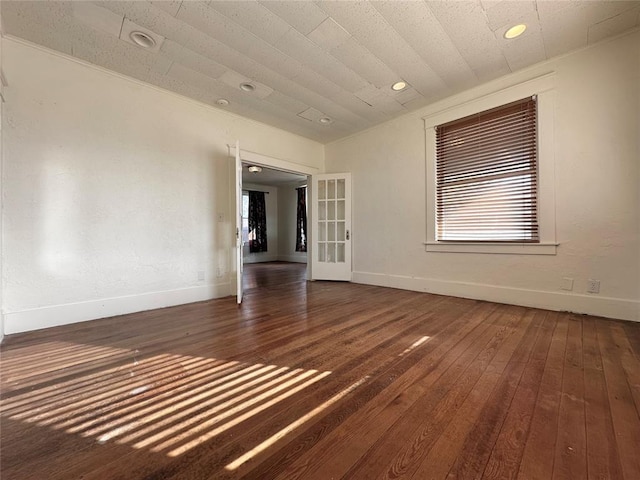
x,y
616,308
56,315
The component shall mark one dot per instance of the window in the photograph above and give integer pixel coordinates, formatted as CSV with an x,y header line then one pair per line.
x,y
258,240
301,219
465,207
486,176
245,218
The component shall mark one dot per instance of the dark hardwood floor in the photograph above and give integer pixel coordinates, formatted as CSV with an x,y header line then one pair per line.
x,y
324,380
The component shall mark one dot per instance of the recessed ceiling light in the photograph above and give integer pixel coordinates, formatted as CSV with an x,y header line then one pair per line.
x,y
247,87
223,102
399,86
326,120
142,39
515,31
255,169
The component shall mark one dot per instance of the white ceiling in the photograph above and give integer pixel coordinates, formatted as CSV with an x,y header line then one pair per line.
x,y
309,59
271,177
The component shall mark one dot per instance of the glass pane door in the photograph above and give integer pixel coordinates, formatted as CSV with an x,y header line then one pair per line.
x,y
332,256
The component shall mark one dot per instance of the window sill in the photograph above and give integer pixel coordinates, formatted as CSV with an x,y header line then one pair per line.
x,y
496,248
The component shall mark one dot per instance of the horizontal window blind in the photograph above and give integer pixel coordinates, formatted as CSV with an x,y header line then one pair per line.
x,y
486,176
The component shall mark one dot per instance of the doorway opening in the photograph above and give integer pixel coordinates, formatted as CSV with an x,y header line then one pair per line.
x,y
277,255
269,166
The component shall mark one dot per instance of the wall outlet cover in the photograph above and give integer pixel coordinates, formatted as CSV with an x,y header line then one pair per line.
x,y
593,286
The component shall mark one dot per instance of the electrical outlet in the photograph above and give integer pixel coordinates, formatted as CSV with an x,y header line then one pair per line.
x,y
219,272
593,286
567,283
200,275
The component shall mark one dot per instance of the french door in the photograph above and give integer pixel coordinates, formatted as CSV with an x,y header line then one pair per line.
x,y
238,192
331,227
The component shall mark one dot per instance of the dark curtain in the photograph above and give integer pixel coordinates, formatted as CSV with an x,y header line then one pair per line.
x,y
257,222
301,220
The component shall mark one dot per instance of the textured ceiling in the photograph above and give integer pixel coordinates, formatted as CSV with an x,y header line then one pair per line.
x,y
271,177
309,60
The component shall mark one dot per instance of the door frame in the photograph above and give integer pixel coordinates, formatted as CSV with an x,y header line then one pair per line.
x,y
274,163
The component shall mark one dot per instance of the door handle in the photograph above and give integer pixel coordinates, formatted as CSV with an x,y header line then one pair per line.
x,y
347,234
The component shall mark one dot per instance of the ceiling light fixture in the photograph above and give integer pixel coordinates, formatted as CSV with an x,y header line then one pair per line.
x,y
255,169
142,39
223,102
399,86
515,31
325,120
247,87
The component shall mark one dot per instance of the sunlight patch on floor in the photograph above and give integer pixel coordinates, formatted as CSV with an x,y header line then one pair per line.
x,y
166,403
414,345
53,360
292,426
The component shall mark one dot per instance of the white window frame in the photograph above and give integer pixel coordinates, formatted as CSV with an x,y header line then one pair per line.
x,y
544,88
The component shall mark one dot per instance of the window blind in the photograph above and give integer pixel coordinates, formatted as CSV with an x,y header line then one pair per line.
x,y
486,176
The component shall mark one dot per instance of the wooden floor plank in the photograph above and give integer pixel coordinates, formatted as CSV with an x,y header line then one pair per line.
x,y
571,446
321,380
623,410
476,446
629,359
506,455
602,456
537,459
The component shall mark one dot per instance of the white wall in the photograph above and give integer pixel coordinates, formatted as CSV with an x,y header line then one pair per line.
x,y
597,179
271,207
287,218
112,191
